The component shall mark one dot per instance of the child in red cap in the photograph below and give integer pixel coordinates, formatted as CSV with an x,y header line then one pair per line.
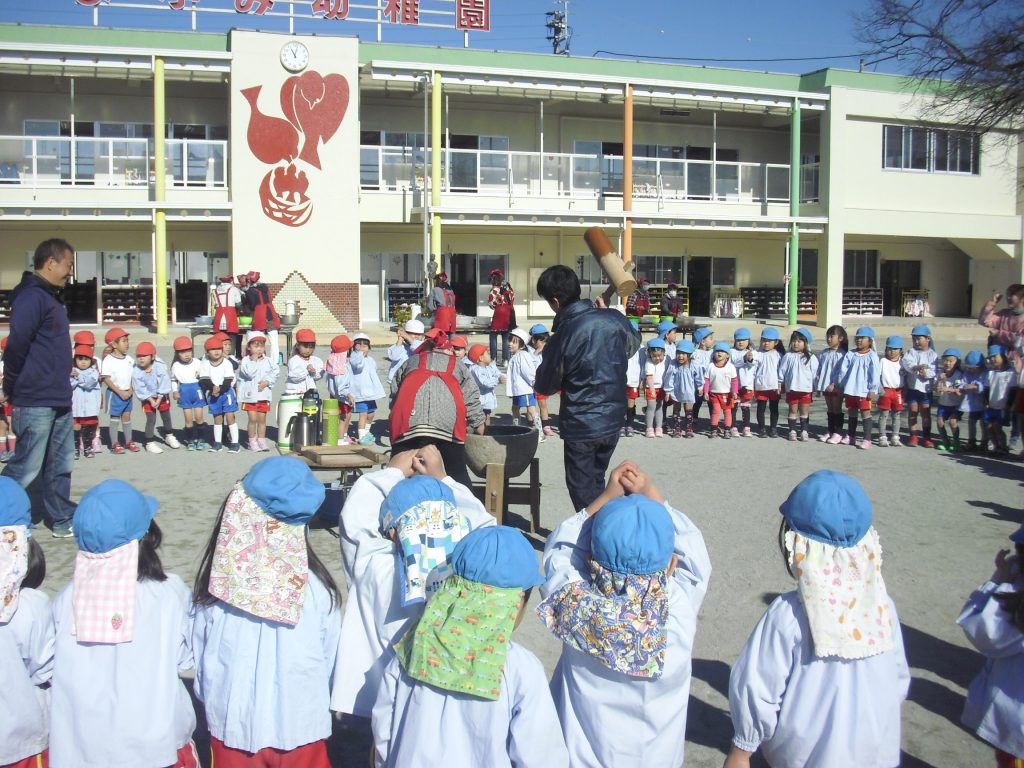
x,y
217,378
257,375
486,375
152,385
6,437
187,393
86,399
116,372
339,384
304,368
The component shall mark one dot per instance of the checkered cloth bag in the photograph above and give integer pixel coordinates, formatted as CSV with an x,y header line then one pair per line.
x,y
103,595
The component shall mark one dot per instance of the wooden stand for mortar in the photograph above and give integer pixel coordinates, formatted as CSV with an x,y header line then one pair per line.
x,y
497,493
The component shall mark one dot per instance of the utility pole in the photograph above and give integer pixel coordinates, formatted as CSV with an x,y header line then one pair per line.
x,y
558,26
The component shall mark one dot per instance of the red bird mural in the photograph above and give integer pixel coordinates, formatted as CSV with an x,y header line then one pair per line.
x,y
271,139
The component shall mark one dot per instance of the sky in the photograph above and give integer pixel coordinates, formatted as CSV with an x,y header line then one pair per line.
x,y
762,34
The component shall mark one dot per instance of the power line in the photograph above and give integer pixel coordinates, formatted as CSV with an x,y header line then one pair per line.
x,y
728,61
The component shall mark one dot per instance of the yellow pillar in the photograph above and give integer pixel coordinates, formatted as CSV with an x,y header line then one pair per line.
x,y
160,217
627,175
435,168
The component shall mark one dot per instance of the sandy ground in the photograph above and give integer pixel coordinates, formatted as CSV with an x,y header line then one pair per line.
x,y
941,519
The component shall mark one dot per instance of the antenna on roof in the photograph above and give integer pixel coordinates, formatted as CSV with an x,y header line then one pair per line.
x,y
558,25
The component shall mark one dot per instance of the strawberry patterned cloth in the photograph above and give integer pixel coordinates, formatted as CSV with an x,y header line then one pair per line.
x,y
103,595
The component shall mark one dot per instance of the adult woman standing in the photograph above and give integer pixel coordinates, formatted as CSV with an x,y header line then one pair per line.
x,y
442,303
502,301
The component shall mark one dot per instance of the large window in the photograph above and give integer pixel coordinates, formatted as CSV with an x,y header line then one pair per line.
x,y
808,275
723,271
660,270
860,269
933,150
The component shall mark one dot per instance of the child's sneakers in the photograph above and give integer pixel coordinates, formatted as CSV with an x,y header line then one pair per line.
x,y
688,432
89,452
649,432
792,436
369,439
254,445
804,437
151,447
747,432
735,432
134,447
78,453
836,439
629,431
883,441
172,441
725,434
6,456
864,444
826,438
117,448
215,448
234,448
927,443
190,445
845,440
659,432
913,441
894,441
549,432
201,445
264,448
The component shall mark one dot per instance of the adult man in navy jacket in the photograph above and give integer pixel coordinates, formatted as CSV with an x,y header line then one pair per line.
x,y
586,359
37,381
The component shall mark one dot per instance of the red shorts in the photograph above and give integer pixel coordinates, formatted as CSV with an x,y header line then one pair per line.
x,y
1018,401
42,760
744,395
8,409
307,756
165,405
86,420
187,757
857,403
262,406
652,394
763,395
632,393
799,398
344,408
540,397
891,399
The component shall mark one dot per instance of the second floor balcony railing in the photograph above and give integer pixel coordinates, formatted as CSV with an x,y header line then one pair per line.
x,y
530,174
57,161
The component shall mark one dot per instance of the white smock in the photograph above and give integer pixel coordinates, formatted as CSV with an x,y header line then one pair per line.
x,y
26,662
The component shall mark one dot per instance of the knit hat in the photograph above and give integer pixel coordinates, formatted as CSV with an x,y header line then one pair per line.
x,y
685,346
341,343
974,358
865,331
305,336
742,334
770,334
894,342
700,334
720,347
285,488
632,534
498,556
414,326
656,344
15,507
111,514
920,330
952,352
145,348
828,507
182,343
114,334
476,351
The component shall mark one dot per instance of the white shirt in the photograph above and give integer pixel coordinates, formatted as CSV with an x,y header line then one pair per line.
x,y
266,684
184,373
299,380
374,617
119,369
26,662
610,720
123,705
720,378
216,372
419,726
657,373
891,373
808,711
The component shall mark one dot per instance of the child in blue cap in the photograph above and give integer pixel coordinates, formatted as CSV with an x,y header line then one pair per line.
x,y
634,374
921,366
745,379
999,385
993,620
457,691
798,371
266,623
948,397
767,386
857,378
668,332
704,340
122,640
26,634
972,402
622,684
822,678
398,529
890,381
522,373
720,386
654,392
539,336
681,387
836,348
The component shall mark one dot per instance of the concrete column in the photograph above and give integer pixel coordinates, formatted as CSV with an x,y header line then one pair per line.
x,y
833,202
794,207
159,196
627,175
435,167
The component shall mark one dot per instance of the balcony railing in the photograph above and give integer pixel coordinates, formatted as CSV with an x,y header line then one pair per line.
x,y
530,174
56,161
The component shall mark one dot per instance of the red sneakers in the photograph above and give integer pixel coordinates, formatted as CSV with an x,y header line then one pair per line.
x,y
117,448
913,441
133,447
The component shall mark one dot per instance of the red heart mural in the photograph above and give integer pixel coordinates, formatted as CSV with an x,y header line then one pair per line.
x,y
315,105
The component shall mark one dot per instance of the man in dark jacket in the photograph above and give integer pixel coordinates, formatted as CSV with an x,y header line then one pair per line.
x,y
586,359
37,381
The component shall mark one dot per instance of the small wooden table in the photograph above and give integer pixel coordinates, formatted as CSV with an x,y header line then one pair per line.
x,y
348,461
497,493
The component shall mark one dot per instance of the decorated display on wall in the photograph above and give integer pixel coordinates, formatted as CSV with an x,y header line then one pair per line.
x,y
314,107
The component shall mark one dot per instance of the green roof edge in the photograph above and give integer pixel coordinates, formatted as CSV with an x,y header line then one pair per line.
x,y
48,34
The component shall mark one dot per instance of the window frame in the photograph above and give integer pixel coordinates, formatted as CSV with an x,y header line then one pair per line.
x,y
910,137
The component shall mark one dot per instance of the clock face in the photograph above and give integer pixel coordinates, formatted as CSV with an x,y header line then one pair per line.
x,y
294,56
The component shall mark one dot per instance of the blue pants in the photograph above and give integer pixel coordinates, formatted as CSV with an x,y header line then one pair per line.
x,y
43,457
494,346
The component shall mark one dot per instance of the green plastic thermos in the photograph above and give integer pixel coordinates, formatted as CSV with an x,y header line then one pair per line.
x,y
332,420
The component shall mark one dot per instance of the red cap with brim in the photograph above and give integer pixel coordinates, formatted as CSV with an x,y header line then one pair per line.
x,y
182,343
114,334
83,350
341,343
252,339
305,336
476,352
460,341
213,343
85,337
145,348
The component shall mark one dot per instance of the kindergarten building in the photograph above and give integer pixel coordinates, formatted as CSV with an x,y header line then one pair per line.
x,y
332,166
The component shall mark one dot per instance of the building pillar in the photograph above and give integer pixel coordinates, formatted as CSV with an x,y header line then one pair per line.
x,y
435,170
627,175
159,197
833,202
794,208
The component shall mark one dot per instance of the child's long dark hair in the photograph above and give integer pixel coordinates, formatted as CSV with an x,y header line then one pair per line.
x,y
36,571
844,339
201,590
783,530
807,345
150,567
1013,602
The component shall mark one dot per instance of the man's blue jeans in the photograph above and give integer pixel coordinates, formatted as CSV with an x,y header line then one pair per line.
x,y
43,458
